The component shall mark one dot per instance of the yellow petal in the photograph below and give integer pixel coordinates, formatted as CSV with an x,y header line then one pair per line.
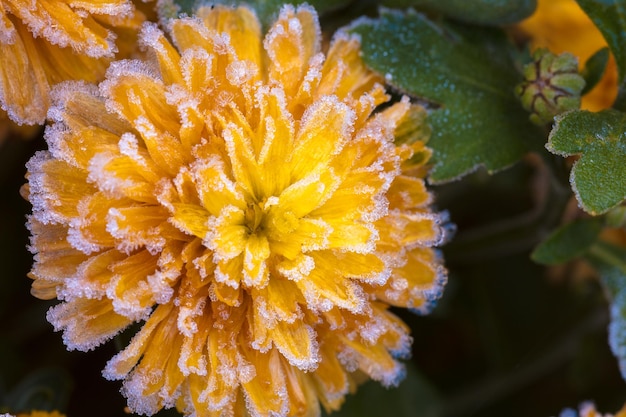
x,y
242,26
301,392
7,28
191,219
166,55
23,84
331,375
227,233
273,140
227,294
217,189
326,285
278,301
409,229
55,257
352,236
140,99
124,176
139,226
122,363
296,342
93,275
344,73
266,392
290,44
416,284
229,271
255,256
375,361
44,289
65,26
325,127
86,323
408,193
129,291
56,188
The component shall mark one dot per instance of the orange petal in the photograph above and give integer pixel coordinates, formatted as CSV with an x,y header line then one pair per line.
x,y
86,323
23,84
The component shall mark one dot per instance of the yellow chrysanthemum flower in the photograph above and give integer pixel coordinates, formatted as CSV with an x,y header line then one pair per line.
x,y
44,42
243,198
562,26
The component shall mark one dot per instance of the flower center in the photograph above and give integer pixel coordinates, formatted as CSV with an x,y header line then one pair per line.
x,y
254,216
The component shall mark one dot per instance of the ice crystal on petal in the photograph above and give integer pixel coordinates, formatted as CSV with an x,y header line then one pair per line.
x,y
242,199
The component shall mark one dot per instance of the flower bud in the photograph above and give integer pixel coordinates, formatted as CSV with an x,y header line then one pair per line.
x,y
552,85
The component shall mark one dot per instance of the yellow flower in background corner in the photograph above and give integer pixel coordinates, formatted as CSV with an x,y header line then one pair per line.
x,y
562,26
240,196
41,414
588,409
44,42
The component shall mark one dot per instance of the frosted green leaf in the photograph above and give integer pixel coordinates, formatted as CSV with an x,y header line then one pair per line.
x,y
598,178
475,11
465,71
610,17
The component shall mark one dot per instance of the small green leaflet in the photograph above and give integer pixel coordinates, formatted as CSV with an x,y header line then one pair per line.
x,y
610,17
568,242
594,69
494,12
598,178
468,73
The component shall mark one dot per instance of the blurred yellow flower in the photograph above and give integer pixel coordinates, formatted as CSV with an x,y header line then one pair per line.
x,y
562,26
589,410
41,414
46,42
243,198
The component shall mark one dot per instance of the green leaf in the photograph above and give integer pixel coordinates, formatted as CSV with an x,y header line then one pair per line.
x,y
568,242
267,10
415,396
598,178
610,17
594,69
494,12
610,261
468,72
